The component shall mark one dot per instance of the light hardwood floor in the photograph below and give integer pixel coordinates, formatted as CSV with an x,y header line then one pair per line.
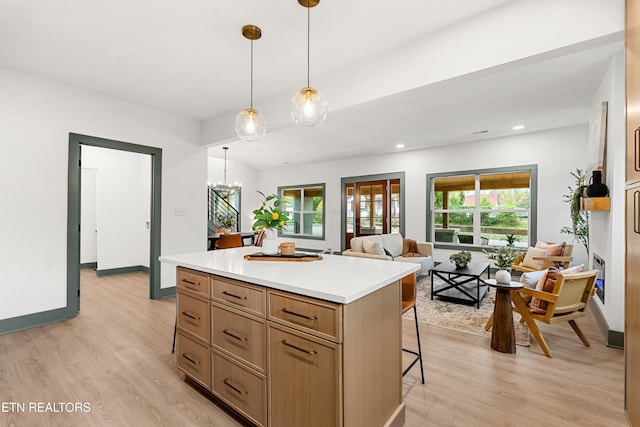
x,y
116,357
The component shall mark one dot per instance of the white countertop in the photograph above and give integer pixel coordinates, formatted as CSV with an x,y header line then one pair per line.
x,y
335,278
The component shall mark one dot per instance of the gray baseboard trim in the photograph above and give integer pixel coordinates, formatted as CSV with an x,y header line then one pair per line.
x,y
166,292
611,338
92,265
27,321
122,270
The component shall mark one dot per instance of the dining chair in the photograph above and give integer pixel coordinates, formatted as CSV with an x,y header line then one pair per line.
x,y
229,241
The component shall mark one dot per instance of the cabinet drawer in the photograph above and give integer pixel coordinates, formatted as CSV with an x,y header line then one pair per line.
x,y
241,388
194,359
239,335
314,316
240,295
194,316
305,370
194,281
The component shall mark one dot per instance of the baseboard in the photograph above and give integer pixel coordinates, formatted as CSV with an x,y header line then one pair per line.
x,y
611,338
122,270
32,320
166,292
92,265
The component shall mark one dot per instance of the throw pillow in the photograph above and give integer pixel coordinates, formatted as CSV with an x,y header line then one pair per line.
x,y
530,279
546,284
553,249
372,247
573,269
535,264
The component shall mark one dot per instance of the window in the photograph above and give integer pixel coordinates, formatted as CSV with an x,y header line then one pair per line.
x,y
490,207
304,205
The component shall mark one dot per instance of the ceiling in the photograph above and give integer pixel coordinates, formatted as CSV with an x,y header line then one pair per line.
x,y
190,58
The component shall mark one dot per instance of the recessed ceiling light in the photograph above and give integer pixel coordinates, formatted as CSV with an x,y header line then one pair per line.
x,y
400,145
518,127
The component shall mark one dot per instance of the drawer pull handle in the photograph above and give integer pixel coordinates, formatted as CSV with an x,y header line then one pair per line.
x,y
636,145
636,225
231,334
304,316
233,295
236,389
190,359
311,352
184,313
190,282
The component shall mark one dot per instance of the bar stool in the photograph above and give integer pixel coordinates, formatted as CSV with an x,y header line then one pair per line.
x,y
409,302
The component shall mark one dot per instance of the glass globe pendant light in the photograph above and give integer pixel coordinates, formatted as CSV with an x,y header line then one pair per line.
x,y
308,106
250,125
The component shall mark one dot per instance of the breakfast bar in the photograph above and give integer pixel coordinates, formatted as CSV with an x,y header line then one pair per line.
x,y
314,343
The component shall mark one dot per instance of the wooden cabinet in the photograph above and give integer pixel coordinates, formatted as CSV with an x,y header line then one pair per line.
x,y
281,359
632,261
632,315
194,359
244,296
306,314
193,281
240,336
304,379
194,315
241,388
632,40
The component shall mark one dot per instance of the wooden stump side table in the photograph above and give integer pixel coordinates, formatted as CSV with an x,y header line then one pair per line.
x,y
503,336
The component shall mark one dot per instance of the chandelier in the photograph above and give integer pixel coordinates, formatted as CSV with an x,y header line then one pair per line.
x,y
222,188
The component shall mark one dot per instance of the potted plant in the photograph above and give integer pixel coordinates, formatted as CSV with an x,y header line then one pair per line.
x,y
461,259
269,217
579,228
225,221
511,239
503,257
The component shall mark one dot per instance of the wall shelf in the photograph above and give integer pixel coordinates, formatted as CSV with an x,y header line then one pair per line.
x,y
595,203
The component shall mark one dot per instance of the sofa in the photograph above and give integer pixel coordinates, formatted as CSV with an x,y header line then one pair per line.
x,y
390,247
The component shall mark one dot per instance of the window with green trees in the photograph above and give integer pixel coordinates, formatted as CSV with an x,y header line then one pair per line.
x,y
489,207
305,207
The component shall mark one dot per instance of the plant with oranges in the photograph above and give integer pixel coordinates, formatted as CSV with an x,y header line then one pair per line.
x,y
269,214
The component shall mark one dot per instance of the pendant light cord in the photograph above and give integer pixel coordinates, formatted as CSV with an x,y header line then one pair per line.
x,y
225,165
308,44
251,85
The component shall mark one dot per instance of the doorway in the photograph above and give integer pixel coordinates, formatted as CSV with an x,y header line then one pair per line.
x,y
74,216
372,204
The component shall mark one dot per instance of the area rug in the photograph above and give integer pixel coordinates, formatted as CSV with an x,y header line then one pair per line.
x,y
460,317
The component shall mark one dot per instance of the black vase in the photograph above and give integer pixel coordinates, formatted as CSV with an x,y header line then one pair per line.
x,y
596,188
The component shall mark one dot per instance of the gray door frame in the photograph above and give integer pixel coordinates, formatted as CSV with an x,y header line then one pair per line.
x,y
73,215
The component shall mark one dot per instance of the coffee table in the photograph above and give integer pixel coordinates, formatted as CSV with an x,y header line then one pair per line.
x,y
461,284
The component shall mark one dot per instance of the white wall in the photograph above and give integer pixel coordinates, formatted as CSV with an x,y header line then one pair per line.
x,y
606,231
123,199
37,117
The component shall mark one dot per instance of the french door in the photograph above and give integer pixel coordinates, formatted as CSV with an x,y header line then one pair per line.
x,y
372,207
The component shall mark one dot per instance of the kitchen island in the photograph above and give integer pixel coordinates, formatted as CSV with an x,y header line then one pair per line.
x,y
293,343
